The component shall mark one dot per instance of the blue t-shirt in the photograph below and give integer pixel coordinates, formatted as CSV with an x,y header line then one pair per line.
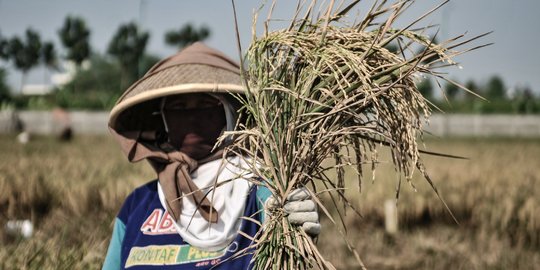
x,y
144,237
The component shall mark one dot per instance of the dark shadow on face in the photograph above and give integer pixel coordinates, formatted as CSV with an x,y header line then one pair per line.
x,y
194,123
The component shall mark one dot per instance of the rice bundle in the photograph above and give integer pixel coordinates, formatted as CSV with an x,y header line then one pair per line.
x,y
325,88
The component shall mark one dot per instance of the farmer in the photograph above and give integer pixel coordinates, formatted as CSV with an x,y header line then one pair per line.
x,y
190,217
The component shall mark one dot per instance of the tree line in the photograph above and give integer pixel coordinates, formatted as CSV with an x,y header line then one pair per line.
x,y
99,84
492,96
93,86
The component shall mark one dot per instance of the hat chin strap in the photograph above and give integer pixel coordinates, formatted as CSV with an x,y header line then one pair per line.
x,y
230,113
162,113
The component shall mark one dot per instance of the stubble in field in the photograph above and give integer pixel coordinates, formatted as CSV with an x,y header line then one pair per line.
x,y
72,192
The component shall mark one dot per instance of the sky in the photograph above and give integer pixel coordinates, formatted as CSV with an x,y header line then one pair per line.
x,y
515,24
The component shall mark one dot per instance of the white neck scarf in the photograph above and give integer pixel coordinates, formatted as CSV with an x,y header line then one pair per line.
x,y
229,200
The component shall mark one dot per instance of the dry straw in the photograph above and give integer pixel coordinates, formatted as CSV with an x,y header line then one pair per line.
x,y
324,88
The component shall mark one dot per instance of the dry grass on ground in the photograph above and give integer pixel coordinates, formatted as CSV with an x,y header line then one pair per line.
x,y
494,195
72,192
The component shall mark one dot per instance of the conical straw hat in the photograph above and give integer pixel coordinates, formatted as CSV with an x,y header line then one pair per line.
x,y
196,69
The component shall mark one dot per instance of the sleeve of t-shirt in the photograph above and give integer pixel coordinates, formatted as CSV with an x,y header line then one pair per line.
x,y
113,259
263,193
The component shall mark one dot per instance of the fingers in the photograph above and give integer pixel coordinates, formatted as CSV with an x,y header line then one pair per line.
x,y
271,203
299,194
312,228
301,210
300,206
299,218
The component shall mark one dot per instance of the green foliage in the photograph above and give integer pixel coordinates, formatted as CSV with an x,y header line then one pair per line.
x,y
472,86
523,101
94,88
75,36
5,92
4,49
451,91
128,46
97,87
40,103
426,88
147,61
495,88
25,54
186,35
48,55
475,106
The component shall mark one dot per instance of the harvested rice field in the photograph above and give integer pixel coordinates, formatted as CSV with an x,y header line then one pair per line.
x,y
72,191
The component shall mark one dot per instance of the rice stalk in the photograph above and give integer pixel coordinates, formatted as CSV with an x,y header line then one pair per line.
x,y
326,88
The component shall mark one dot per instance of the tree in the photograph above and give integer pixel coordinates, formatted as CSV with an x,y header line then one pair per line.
x,y
48,57
128,46
75,36
451,90
147,62
471,85
186,35
97,87
5,93
25,55
495,88
92,88
4,49
426,89
524,101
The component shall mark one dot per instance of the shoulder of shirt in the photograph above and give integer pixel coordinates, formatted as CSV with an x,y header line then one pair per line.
x,y
139,196
149,186
143,190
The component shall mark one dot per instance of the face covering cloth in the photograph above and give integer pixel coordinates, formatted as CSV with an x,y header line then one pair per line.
x,y
227,185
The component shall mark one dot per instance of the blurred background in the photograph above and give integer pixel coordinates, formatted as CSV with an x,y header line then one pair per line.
x,y
63,64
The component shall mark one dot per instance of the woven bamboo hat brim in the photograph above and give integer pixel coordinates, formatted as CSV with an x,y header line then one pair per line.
x,y
196,69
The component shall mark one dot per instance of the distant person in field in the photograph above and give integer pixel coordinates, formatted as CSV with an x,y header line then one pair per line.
x,y
191,216
62,122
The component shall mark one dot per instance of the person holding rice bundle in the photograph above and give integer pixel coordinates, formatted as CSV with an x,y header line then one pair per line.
x,y
203,211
